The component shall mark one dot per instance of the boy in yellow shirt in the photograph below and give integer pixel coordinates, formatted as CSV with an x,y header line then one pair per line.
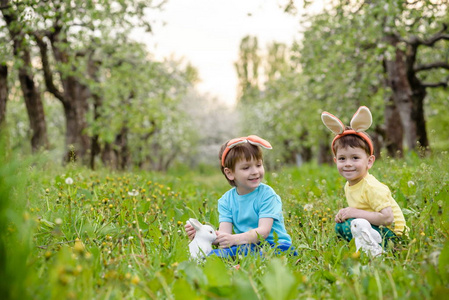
x,y
367,197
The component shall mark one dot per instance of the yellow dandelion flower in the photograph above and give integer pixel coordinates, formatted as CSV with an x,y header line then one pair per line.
x,y
135,279
79,246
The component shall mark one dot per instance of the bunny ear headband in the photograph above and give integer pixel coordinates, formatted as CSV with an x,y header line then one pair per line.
x,y
252,139
360,122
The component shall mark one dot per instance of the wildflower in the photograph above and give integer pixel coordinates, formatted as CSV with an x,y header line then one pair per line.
x,y
134,192
79,246
135,279
69,180
58,221
410,183
308,207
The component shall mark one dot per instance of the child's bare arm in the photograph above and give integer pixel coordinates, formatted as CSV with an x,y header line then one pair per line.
x,y
384,217
226,239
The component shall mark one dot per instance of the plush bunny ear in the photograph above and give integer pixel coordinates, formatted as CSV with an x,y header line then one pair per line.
x,y
362,119
195,223
376,236
332,122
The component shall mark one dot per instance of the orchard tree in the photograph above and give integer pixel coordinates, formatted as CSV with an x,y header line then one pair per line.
x,y
67,34
17,19
266,103
140,122
383,54
248,69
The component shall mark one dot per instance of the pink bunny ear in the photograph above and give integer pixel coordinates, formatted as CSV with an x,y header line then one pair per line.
x,y
362,119
332,122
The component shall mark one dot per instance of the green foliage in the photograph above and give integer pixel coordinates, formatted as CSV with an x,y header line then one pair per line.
x,y
336,66
15,225
121,235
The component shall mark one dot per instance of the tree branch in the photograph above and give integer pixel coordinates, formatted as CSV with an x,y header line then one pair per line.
x,y
48,75
440,35
436,84
435,65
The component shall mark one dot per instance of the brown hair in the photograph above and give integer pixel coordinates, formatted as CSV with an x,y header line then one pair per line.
x,y
245,151
353,141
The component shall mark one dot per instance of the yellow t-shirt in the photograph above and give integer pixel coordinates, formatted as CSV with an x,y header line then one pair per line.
x,y
371,195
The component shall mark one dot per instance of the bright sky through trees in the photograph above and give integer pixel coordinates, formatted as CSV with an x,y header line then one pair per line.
x,y
208,33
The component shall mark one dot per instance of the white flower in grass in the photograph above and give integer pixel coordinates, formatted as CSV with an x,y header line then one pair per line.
x,y
134,192
69,180
308,207
410,183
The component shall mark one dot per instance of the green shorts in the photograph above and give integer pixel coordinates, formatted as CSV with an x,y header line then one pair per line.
x,y
344,230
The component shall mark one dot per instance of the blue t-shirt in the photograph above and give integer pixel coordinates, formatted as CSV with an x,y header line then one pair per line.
x,y
245,211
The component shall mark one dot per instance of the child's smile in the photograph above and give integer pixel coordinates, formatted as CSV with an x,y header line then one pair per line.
x,y
247,175
353,163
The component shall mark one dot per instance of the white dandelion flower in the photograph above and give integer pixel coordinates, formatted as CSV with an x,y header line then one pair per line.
x,y
410,183
69,180
308,207
134,192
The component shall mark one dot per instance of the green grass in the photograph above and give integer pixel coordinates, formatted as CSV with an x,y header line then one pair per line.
x,y
116,235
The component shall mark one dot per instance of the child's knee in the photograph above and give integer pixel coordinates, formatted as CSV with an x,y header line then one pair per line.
x,y
344,229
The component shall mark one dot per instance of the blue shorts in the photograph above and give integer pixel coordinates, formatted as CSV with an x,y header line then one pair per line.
x,y
253,249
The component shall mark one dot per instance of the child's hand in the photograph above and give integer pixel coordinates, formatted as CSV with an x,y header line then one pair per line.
x,y
224,240
345,213
190,231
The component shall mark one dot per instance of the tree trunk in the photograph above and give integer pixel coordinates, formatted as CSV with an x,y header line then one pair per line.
x,y
418,95
77,142
325,155
74,97
108,156
394,134
3,92
95,149
35,109
29,89
122,150
408,96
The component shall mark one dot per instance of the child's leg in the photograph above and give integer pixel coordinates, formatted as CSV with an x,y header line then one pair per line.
x,y
344,229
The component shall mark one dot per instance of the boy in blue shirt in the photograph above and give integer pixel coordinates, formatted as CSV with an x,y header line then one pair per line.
x,y
251,211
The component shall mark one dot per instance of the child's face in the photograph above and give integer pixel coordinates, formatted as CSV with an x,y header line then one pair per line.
x,y
247,175
353,163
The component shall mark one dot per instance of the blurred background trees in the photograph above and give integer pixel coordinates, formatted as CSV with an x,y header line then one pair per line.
x,y
391,56
74,84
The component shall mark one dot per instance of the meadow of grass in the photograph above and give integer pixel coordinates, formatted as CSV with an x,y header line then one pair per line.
x,y
73,233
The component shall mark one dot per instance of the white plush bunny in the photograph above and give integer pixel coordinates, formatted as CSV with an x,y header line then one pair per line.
x,y
201,245
366,237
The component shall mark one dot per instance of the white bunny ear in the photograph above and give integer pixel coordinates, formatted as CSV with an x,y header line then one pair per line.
x,y
332,122
376,235
362,119
195,223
